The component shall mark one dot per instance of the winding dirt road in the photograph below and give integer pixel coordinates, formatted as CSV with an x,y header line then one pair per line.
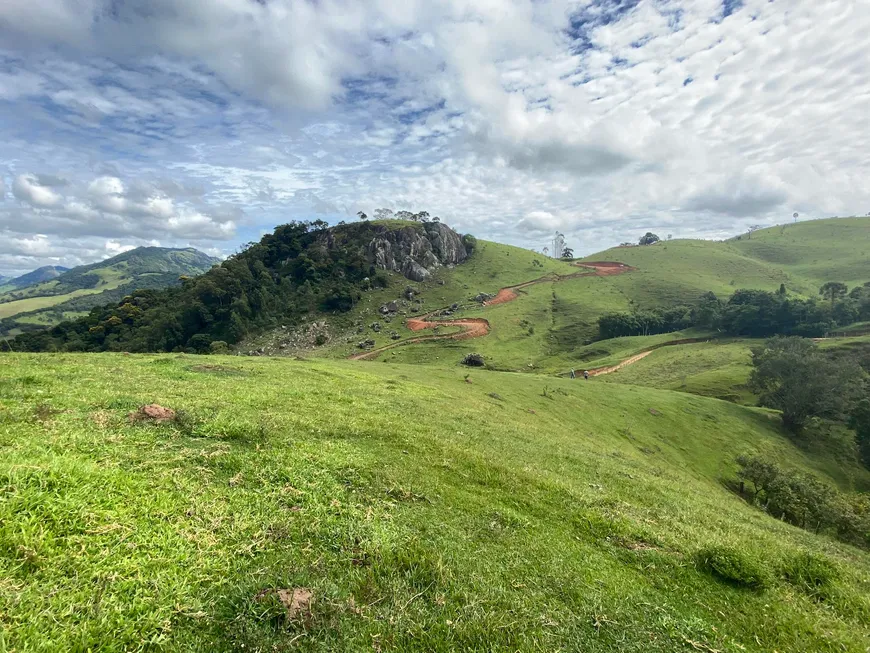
x,y
477,327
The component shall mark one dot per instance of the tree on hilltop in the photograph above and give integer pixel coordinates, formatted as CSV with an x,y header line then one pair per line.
x,y
648,239
362,215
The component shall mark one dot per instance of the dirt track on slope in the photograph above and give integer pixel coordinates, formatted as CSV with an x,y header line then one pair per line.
x,y
595,269
598,371
476,327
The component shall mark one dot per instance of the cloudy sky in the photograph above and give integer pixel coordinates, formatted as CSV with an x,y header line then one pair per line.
x,y
184,122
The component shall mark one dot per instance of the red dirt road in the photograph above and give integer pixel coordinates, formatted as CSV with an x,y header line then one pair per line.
x,y
476,327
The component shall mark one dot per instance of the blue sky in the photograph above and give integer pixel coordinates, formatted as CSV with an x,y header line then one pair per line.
x,y
178,122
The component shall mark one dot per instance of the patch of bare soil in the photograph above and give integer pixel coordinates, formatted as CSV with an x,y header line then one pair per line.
x,y
152,413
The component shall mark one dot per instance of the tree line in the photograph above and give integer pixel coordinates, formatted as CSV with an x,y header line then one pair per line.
x,y
804,501
753,313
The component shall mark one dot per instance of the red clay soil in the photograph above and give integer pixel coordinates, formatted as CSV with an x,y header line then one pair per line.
x,y
472,327
605,268
478,327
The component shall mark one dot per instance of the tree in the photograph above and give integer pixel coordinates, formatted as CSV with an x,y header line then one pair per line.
x,y
791,375
648,239
362,216
383,214
761,472
422,216
833,290
752,227
782,292
567,253
405,215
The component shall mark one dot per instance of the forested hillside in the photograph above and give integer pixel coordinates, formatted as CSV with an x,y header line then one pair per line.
x,y
300,268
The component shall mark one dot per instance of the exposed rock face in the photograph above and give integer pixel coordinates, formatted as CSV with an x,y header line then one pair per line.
x,y
417,252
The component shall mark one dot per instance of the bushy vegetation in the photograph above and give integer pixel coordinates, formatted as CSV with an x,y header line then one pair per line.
x,y
813,574
805,501
286,275
734,565
752,313
792,375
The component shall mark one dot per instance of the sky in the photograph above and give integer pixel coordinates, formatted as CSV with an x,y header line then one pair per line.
x,y
205,124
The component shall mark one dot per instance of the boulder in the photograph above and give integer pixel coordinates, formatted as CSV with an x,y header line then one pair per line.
x,y
417,251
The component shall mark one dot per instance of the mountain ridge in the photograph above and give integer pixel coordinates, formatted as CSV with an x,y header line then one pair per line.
x,y
78,290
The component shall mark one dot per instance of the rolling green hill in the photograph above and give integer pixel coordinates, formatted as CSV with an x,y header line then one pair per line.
x,y
552,325
424,509
45,301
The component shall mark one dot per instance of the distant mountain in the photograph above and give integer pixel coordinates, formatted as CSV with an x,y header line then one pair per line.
x,y
45,273
63,293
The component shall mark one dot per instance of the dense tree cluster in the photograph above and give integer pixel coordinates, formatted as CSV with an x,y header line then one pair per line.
x,y
792,375
753,313
805,501
645,323
299,268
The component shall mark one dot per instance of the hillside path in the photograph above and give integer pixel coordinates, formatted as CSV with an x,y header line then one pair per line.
x,y
476,327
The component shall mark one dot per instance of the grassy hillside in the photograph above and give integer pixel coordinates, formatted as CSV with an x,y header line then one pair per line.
x,y
552,326
837,249
422,511
74,292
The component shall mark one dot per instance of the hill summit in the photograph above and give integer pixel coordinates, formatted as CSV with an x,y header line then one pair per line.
x,y
45,273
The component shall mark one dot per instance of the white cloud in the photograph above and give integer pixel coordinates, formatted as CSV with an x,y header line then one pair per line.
x,y
28,188
508,118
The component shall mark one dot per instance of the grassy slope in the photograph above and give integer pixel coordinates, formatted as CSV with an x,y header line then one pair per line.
x,y
110,278
837,249
564,314
716,369
424,513
492,267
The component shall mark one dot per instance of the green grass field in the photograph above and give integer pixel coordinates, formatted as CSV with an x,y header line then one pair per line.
x,y
423,511
10,309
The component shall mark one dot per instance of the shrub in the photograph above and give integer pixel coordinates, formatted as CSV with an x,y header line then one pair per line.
x,y
733,566
219,347
473,360
810,573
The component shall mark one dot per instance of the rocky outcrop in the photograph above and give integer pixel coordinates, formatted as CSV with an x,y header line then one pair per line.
x,y
418,251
